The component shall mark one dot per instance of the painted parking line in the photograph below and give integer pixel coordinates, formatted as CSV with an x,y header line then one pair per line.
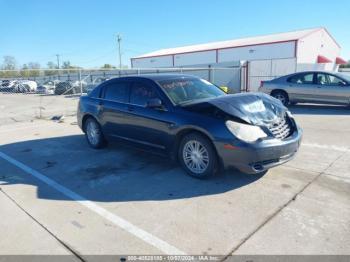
x,y
330,147
118,221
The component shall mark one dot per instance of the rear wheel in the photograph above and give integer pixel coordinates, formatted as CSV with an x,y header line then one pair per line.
x,y
93,134
281,96
197,156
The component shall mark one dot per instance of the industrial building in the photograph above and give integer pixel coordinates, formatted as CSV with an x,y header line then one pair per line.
x,y
262,57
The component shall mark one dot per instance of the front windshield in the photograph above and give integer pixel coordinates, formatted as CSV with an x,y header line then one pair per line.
x,y
345,77
184,90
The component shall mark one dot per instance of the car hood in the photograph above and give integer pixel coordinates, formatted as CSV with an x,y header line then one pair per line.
x,y
253,108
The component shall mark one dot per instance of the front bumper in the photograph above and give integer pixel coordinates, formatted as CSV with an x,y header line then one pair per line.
x,y
260,156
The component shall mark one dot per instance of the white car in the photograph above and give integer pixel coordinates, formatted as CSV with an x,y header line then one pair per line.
x,y
7,85
47,87
31,86
95,83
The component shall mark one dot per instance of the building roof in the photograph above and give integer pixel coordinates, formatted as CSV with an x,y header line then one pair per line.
x,y
257,40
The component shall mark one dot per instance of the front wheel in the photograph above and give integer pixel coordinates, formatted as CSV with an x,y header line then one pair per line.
x,y
281,96
93,133
197,156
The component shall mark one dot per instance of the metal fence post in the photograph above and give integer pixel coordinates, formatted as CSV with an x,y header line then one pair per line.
x,y
209,73
80,83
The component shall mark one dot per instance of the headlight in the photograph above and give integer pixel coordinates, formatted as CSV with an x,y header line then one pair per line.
x,y
247,133
289,114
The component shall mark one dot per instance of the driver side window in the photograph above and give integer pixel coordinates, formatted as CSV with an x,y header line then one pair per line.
x,y
141,93
327,79
322,79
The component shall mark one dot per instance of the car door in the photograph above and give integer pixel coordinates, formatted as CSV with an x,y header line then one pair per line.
x,y
301,87
148,126
113,108
332,89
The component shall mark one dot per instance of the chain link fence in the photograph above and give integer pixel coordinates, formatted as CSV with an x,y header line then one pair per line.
x,y
44,94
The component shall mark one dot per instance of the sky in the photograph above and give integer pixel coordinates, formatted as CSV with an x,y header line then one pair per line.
x,y
84,32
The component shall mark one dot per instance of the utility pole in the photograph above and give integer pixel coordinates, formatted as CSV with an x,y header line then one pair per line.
x,y
58,65
119,39
58,61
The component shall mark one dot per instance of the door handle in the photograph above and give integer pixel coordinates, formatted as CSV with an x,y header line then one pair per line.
x,y
131,108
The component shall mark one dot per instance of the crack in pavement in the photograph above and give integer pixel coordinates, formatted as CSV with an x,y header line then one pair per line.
x,y
269,218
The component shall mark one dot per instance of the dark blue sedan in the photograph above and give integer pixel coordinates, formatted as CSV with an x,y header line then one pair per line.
x,y
191,120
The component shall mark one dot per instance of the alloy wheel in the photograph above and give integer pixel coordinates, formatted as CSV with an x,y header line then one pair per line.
x,y
195,156
93,132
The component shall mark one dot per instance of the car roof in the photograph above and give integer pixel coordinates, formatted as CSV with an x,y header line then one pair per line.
x,y
305,72
156,77
315,71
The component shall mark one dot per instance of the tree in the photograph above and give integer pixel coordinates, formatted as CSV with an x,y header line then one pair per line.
x,y
34,65
346,65
107,66
30,70
51,65
66,65
34,68
24,72
68,68
9,63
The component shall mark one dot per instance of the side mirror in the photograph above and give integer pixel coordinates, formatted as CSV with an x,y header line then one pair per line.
x,y
154,103
343,83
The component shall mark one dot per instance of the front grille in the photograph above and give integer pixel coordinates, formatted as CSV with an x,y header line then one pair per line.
x,y
282,128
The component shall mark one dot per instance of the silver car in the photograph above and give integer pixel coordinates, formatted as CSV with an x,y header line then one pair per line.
x,y
309,87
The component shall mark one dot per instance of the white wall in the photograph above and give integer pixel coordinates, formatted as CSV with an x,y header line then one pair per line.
x,y
318,43
258,52
152,62
207,57
262,70
312,67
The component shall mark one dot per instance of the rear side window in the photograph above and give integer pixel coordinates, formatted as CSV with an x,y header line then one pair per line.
x,y
117,92
141,93
302,79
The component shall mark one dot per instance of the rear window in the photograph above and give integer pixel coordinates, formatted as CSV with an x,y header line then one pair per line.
x,y
302,79
117,92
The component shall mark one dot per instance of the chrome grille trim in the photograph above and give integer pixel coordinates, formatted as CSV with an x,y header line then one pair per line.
x,y
281,129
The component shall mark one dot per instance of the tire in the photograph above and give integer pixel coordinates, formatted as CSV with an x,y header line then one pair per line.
x,y
204,162
282,96
93,134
